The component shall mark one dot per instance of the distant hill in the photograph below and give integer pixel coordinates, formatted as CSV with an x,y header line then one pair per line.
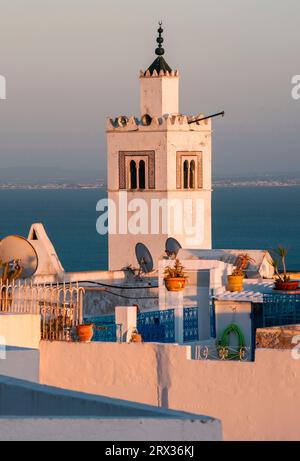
x,y
258,176
259,180
43,175
60,177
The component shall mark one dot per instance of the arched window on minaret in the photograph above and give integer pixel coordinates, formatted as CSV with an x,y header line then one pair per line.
x,y
192,174
142,175
186,174
133,175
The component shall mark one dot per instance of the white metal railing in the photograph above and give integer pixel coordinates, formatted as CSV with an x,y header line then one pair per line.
x,y
222,353
60,305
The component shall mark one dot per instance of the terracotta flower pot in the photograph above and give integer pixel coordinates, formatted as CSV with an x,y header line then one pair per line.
x,y
136,338
175,284
85,333
291,285
235,283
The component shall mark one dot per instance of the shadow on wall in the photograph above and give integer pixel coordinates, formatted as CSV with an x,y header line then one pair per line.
x,y
20,362
26,408
19,397
102,301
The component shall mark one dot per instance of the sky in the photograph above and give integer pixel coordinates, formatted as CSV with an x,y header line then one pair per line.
x,y
71,63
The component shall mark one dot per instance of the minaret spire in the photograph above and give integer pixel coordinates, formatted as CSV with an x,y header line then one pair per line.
x,y
160,50
159,65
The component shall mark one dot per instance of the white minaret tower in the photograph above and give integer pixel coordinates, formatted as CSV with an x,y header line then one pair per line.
x,y
159,172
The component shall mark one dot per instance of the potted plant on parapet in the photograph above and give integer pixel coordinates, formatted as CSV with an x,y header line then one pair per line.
x,y
85,332
136,337
236,279
174,277
283,280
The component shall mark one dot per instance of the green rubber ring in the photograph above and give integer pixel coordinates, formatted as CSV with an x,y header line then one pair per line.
x,y
224,340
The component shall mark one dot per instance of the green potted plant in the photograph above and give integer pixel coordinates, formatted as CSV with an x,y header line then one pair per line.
x,y
236,279
174,277
283,280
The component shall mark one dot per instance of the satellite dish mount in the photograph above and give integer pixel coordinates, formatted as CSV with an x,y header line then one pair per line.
x,y
144,259
172,248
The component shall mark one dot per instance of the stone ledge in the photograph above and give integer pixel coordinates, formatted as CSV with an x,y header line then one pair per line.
x,y
277,337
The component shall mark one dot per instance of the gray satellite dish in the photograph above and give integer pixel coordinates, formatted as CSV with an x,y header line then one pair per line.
x,y
144,258
172,247
17,250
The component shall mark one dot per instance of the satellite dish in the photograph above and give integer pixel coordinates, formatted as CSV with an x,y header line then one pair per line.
x,y
172,247
144,258
17,250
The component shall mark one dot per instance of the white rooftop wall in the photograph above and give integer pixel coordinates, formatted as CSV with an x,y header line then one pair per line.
x,y
48,261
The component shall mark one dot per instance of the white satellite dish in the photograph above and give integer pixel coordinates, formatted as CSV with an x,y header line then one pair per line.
x,y
15,248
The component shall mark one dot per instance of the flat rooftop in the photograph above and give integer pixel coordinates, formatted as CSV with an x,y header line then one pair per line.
x,y
254,289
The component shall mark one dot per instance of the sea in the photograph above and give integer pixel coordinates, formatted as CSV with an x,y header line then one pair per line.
x,y
243,218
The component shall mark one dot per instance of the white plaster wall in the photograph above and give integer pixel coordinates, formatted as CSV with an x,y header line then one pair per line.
x,y
98,302
19,343
122,247
30,411
135,141
48,261
91,429
203,277
199,221
166,140
73,277
165,144
143,139
126,316
21,330
239,313
254,401
190,141
159,95
21,363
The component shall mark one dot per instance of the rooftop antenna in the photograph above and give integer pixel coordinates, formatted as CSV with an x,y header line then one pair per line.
x,y
17,251
144,258
172,247
206,118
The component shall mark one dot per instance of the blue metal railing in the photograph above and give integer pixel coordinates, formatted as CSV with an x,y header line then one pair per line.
x,y
157,326
190,324
105,329
212,316
103,319
280,310
109,333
